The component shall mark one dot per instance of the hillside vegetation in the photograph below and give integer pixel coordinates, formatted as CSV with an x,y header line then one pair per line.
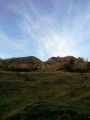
x,y
58,89
68,63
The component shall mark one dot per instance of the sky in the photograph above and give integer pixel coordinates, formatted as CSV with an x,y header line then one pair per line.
x,y
45,28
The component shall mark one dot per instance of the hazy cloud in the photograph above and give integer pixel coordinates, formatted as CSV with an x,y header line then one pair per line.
x,y
45,35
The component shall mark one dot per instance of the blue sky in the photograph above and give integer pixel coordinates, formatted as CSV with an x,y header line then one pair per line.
x,y
44,28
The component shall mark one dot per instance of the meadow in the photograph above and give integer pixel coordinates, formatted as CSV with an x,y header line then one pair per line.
x,y
44,95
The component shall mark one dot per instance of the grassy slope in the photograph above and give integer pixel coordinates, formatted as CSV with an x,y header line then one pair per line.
x,y
62,89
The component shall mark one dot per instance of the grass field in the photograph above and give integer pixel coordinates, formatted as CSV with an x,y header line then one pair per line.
x,y
44,96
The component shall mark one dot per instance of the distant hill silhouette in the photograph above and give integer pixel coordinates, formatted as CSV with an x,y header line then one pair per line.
x,y
31,63
61,59
29,59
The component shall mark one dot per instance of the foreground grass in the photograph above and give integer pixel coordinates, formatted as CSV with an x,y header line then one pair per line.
x,y
56,90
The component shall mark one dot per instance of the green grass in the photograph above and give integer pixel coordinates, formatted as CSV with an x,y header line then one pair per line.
x,y
56,89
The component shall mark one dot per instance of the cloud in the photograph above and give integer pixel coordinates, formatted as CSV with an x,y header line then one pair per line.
x,y
44,35
54,39
9,46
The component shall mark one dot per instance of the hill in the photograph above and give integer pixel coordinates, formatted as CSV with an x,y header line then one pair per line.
x,y
20,64
29,59
68,63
